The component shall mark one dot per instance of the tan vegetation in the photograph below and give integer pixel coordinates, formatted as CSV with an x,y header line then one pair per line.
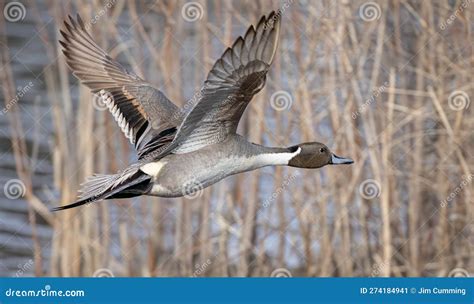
x,y
388,91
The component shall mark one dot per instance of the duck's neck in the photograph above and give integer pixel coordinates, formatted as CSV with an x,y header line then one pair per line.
x,y
273,156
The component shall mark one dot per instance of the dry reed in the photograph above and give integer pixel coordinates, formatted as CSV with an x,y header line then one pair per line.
x,y
379,91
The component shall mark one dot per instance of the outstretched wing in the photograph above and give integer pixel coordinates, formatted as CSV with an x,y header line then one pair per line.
x,y
140,110
234,79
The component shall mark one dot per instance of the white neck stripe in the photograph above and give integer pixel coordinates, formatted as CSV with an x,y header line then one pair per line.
x,y
276,158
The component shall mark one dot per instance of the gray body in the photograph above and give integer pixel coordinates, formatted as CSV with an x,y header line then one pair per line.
x,y
176,174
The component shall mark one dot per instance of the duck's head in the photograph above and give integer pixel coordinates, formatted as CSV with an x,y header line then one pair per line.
x,y
315,155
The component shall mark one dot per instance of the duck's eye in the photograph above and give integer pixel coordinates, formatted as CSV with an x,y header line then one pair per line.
x,y
322,150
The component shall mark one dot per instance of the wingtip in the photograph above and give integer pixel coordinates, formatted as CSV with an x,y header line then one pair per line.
x,y
72,23
63,44
80,22
66,39
272,13
270,22
276,17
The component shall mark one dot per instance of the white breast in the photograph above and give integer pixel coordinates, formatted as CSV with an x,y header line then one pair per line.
x,y
153,168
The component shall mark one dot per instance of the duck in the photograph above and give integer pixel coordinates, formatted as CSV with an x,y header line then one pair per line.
x,y
180,152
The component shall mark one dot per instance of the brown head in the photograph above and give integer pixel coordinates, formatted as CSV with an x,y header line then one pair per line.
x,y
315,155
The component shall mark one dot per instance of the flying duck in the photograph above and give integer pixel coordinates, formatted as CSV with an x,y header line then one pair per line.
x,y
179,153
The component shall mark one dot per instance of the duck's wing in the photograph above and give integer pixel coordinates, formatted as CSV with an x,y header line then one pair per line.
x,y
232,82
140,110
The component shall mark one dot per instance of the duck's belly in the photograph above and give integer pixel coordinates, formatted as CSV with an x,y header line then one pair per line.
x,y
186,175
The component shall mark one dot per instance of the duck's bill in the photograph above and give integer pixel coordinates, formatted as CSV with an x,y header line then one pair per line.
x,y
336,160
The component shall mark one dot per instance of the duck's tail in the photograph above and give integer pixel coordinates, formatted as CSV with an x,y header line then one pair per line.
x,y
101,187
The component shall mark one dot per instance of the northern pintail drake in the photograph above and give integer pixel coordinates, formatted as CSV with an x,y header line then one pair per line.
x,y
177,152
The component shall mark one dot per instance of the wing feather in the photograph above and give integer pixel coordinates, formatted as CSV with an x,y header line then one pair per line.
x,y
140,110
234,79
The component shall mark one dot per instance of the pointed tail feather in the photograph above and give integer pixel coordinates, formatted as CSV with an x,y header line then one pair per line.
x,y
100,187
76,204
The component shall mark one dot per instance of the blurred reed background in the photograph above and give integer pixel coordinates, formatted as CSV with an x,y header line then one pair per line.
x,y
386,83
